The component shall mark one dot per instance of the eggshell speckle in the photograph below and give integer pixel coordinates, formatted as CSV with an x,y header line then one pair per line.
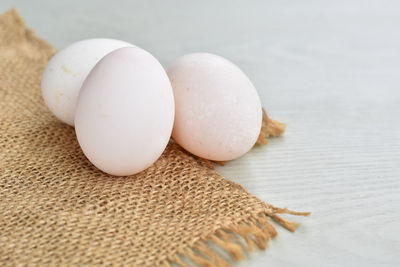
x,y
218,111
66,71
125,112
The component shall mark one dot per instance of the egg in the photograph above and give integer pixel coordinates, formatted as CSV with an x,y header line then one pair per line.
x,y
218,113
125,112
66,71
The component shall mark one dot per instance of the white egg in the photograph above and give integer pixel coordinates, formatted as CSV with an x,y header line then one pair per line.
x,y
125,112
218,111
66,71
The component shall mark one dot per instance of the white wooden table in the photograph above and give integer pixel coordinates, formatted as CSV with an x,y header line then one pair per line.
x,y
329,69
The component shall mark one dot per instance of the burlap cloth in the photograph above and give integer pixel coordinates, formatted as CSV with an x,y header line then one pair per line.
x,y
57,209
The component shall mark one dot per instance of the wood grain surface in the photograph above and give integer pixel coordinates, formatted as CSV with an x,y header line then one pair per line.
x,y
329,69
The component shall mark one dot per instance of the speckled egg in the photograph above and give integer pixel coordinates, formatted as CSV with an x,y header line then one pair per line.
x,y
218,112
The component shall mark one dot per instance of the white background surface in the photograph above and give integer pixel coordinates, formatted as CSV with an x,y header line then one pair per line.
x,y
329,69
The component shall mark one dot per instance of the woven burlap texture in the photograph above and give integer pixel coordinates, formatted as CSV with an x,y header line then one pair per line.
x,y
57,209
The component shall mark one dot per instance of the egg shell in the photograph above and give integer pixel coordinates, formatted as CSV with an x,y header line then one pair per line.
x,y
218,112
125,112
66,71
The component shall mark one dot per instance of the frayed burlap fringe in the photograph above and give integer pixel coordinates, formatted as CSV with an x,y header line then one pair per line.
x,y
270,128
57,209
254,231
